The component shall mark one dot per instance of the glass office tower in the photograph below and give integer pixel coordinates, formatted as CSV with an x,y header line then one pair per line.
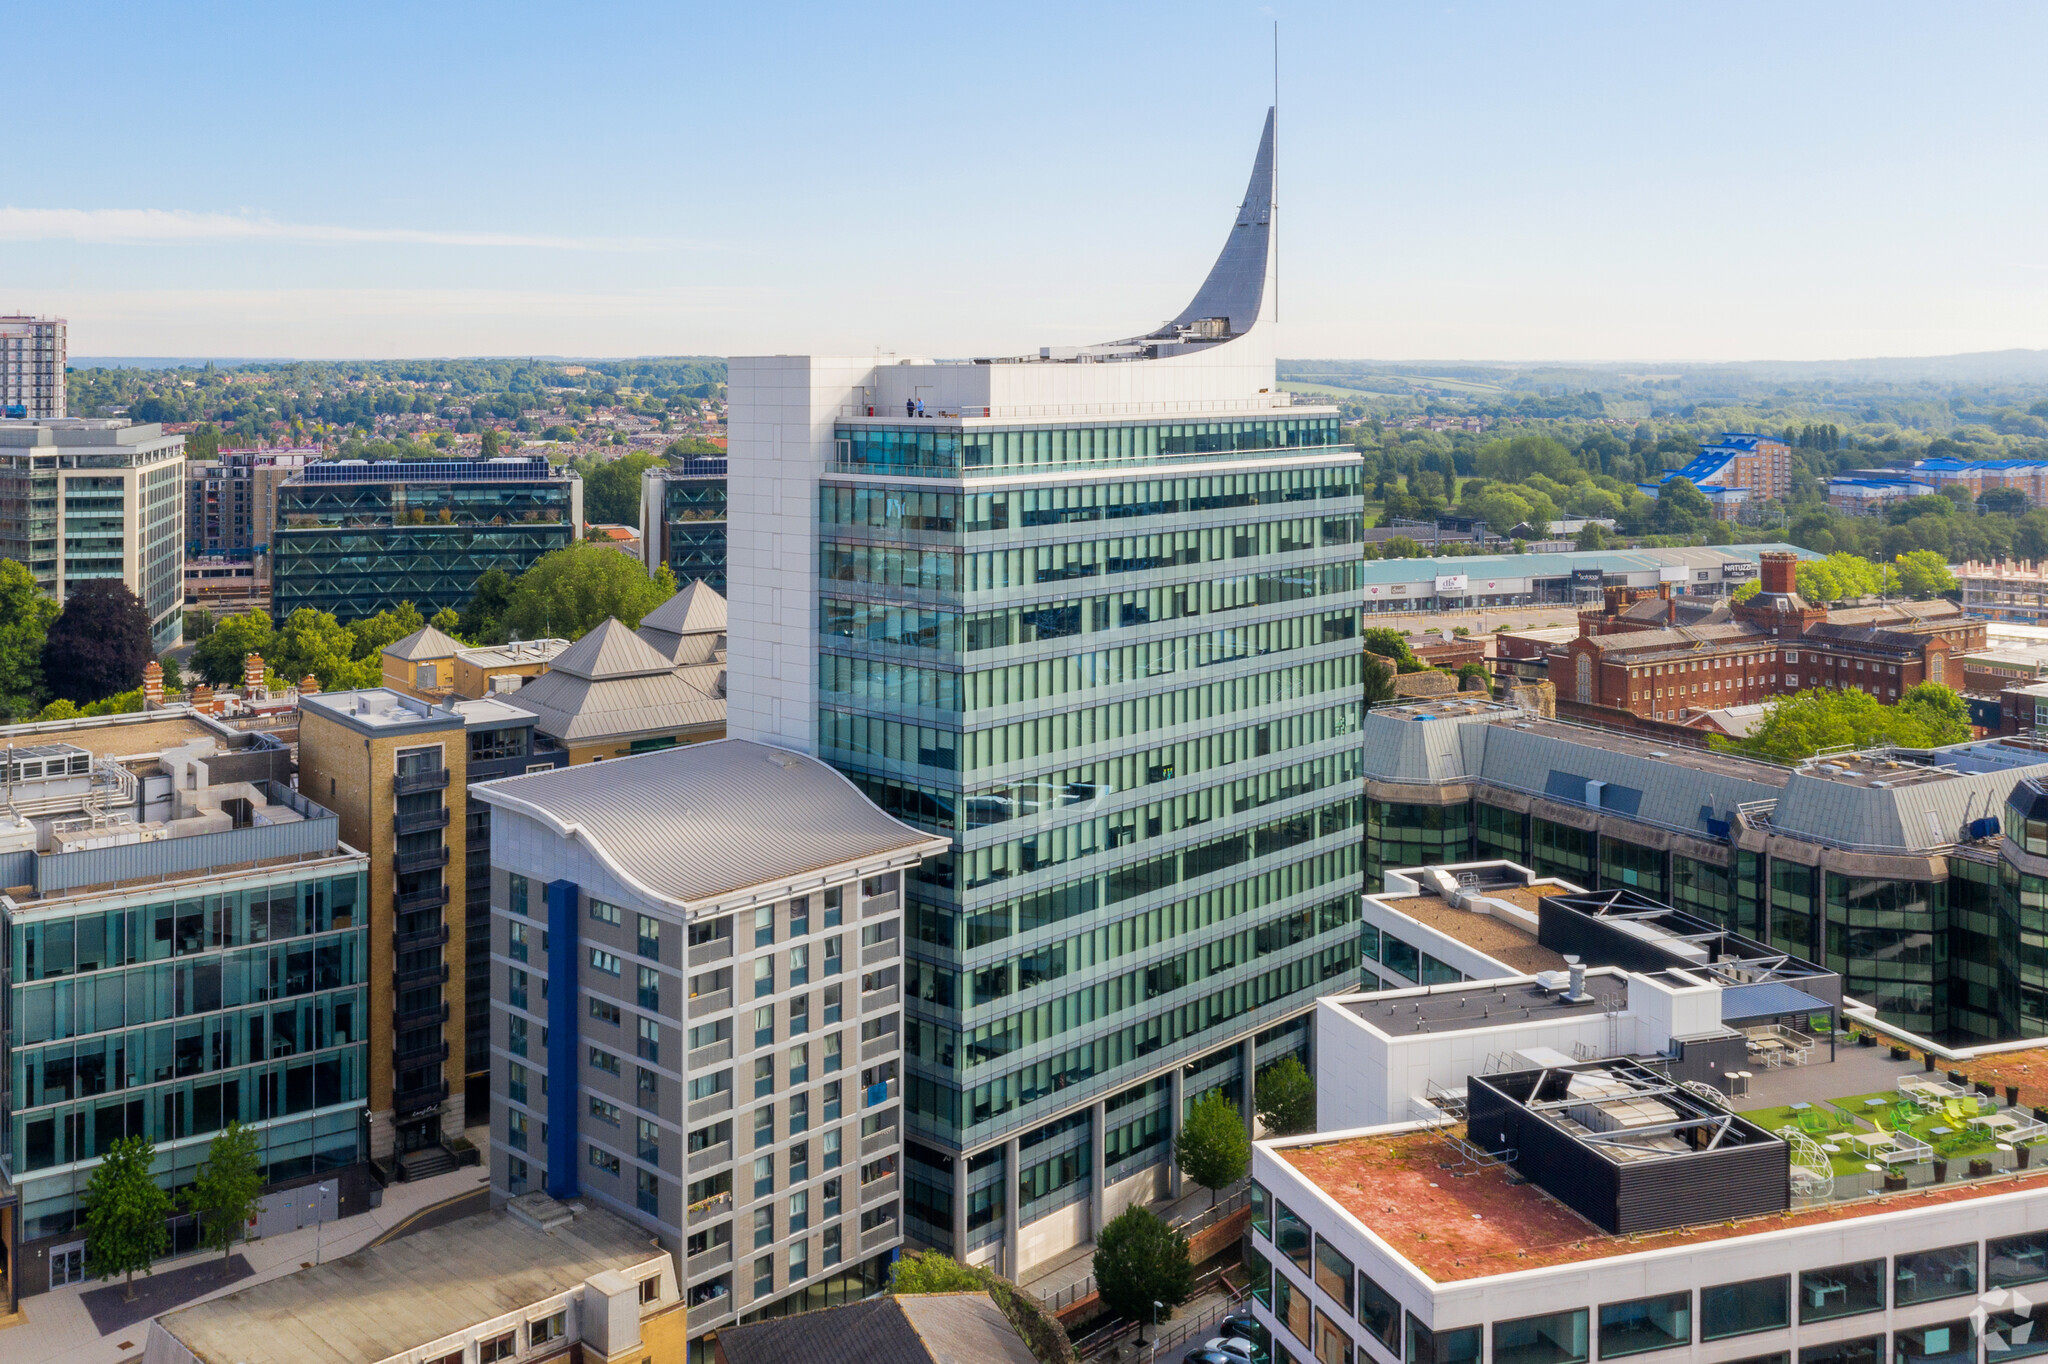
x,y
682,520
1094,615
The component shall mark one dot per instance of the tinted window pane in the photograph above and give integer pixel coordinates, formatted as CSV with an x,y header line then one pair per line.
x,y
1843,1291
1862,1350
1380,1315
2010,1260
1949,1342
1557,1338
2016,1335
1290,1235
1457,1346
1632,1328
1333,1272
1738,1309
1950,1272
1262,1214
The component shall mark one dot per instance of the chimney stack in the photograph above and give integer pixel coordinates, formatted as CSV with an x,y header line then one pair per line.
x,y
1780,571
252,677
152,685
309,685
202,699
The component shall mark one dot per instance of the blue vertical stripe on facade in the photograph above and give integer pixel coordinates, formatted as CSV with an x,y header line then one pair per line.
x,y
562,1039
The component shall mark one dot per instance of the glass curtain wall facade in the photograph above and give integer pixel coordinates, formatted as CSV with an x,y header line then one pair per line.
x,y
354,540
1131,698
693,498
168,1019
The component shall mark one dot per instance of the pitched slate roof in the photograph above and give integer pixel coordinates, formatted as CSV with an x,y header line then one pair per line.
x,y
697,825
931,1328
422,644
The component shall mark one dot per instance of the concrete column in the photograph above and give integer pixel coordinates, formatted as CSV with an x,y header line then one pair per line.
x,y
1176,1095
1013,1214
1248,1050
1098,1198
960,1208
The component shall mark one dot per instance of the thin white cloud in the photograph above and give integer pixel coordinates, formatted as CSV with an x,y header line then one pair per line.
x,y
136,226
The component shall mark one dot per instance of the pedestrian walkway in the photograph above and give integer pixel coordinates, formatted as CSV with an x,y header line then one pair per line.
x,y
59,1328
1069,1277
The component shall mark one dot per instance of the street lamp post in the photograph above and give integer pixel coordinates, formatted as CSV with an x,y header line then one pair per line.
x,y
1155,1330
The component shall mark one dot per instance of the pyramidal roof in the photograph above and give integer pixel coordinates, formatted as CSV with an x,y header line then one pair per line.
x,y
697,609
423,643
610,651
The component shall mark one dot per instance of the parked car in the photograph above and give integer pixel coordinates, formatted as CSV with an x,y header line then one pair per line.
x,y
1230,1345
1202,1354
1242,1325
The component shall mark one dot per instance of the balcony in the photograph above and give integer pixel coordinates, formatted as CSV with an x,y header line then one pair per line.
x,y
412,783
880,1140
405,1103
420,1018
710,1106
420,821
407,863
709,1312
718,1257
877,1188
875,1238
876,1047
409,978
875,1000
886,950
425,937
710,1158
707,1056
704,953
715,1206
714,1001
432,898
417,1056
876,905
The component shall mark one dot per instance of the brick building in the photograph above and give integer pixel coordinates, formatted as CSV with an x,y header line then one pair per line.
x,y
1663,658
1734,471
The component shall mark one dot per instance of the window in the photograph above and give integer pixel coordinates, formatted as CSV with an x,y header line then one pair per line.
x,y
1332,1345
1741,1309
604,1061
1262,1212
1459,1346
1333,1272
764,1226
601,960
764,1276
835,959
1843,1291
1290,1235
764,1175
648,1044
704,1086
800,1064
764,925
604,1160
831,1144
604,1011
799,965
704,1138
831,1255
764,1076
799,1261
799,1211
650,1289
764,1026
516,936
649,944
831,1010
831,1053
833,899
799,1113
1378,1313
799,1153
1633,1328
649,988
516,1034
647,1139
831,1107
515,1130
1554,1338
1291,1306
709,1034
604,913
605,1112
829,1193
764,976
648,1089
516,888
1862,1350
1924,1276
1948,1342
764,1126
799,916
498,1348
2010,1260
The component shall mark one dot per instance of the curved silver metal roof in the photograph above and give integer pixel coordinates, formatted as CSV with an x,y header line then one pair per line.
x,y
705,825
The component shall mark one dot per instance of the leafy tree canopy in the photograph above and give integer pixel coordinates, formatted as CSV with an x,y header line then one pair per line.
x,y
1213,1148
932,1271
225,1193
26,613
1391,643
373,633
572,590
1139,1260
99,644
218,657
1287,1097
1800,725
126,1214
611,488
315,642
1924,574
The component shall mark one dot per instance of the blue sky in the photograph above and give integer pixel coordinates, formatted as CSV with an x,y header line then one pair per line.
x,y
1469,181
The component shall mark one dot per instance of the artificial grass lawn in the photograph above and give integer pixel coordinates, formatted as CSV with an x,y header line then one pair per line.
x,y
1849,1115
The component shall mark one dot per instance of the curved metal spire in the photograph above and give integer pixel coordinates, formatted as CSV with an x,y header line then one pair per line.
x,y
1236,286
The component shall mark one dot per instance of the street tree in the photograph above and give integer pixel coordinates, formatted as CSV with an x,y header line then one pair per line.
x,y
1287,1098
224,1195
1213,1148
126,1215
1139,1261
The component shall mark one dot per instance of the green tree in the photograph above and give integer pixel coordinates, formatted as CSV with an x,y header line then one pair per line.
x,y
686,447
1400,547
1139,1261
224,1195
219,656
26,612
1942,710
2003,502
448,622
1517,457
573,590
493,444
315,642
99,644
1591,536
933,1271
1391,643
1474,669
611,488
373,633
126,1214
198,624
1378,682
1798,726
1924,574
1746,591
1213,1149
1287,1098
1681,508
480,619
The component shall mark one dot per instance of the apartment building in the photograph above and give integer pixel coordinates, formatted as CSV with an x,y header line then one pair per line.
x,y
98,498
33,355
1736,471
697,1024
683,519
186,946
355,537
394,769
1091,614
1675,1140
2029,476
231,502
2013,591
